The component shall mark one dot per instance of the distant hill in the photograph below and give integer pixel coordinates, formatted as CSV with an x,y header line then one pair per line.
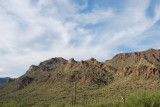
x,y
4,80
54,80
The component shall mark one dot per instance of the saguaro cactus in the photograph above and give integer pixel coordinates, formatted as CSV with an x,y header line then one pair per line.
x,y
74,94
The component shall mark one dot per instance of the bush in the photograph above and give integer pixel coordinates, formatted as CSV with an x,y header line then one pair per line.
x,y
57,105
142,99
138,99
11,104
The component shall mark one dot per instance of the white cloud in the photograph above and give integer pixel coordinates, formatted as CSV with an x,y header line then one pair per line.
x,y
95,16
33,31
1,70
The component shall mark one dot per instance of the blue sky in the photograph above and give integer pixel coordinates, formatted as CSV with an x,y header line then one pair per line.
x,y
35,30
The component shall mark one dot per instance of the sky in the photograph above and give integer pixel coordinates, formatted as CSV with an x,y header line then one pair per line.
x,y
32,31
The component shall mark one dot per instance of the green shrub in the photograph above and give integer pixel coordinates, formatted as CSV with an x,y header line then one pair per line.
x,y
154,100
11,104
138,99
143,99
57,105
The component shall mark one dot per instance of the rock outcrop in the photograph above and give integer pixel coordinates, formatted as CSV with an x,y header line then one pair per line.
x,y
24,81
152,56
123,64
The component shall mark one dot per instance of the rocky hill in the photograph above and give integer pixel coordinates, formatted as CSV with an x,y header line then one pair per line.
x,y
148,57
54,80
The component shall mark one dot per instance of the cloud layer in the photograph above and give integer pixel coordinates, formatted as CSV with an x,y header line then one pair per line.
x,y
35,30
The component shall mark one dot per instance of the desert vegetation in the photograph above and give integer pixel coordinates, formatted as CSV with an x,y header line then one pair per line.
x,y
138,99
58,82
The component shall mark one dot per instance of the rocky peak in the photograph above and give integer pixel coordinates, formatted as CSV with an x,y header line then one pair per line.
x,y
56,60
71,60
83,63
92,59
32,68
152,50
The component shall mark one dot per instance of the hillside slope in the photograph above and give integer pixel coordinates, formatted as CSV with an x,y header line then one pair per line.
x,y
54,80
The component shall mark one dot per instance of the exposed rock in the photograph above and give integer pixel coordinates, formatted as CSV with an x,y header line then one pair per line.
x,y
24,81
71,61
145,72
109,68
72,78
93,59
90,80
54,61
152,73
32,68
83,63
56,77
123,64
122,60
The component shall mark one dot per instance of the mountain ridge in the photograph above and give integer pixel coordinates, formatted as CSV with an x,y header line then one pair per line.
x,y
149,58
53,79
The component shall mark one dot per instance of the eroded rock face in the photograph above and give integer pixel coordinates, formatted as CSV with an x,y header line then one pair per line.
x,y
151,56
71,61
142,71
48,65
121,65
24,81
32,68
93,59
73,78
152,73
54,61
83,63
